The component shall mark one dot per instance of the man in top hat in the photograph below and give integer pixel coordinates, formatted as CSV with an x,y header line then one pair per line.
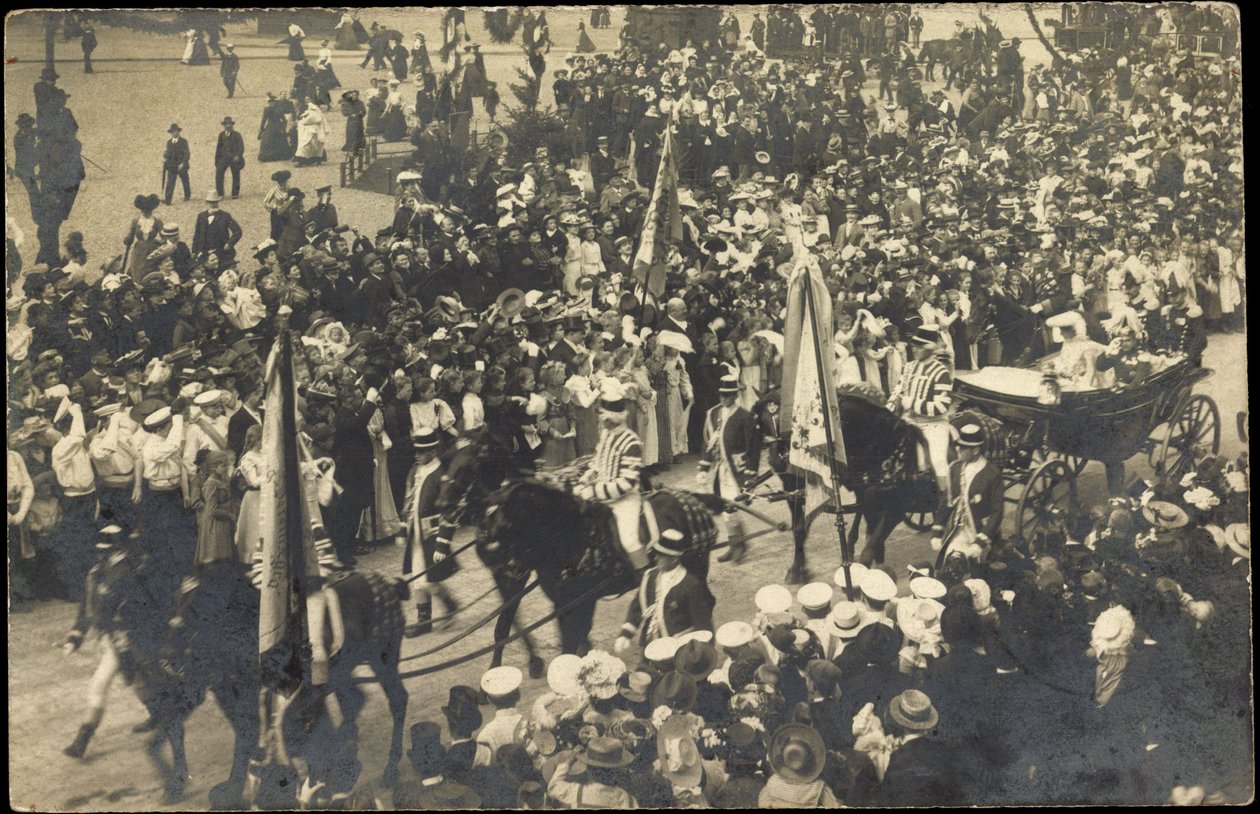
x,y
425,549
229,67
732,453
612,476
216,231
924,395
463,719
975,514
229,154
175,159
671,599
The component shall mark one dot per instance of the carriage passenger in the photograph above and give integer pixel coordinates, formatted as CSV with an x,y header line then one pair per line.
x,y
1076,361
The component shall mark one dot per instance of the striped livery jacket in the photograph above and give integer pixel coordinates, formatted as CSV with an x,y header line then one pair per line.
x,y
926,389
614,467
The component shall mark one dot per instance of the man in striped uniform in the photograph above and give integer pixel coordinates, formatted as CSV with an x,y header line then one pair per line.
x,y
612,476
924,396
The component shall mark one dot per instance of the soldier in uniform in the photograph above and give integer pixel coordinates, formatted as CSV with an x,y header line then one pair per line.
x,y
732,452
424,484
671,600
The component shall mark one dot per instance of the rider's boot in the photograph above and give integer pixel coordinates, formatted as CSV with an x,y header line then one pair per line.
x,y
79,746
738,547
424,620
638,558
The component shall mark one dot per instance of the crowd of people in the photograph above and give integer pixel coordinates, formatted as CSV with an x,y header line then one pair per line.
x,y
953,236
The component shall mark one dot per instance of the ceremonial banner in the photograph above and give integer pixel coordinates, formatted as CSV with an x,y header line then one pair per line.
x,y
808,396
286,552
662,223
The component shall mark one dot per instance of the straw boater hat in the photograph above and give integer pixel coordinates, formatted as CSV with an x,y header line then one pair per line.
x,y
1164,515
913,710
797,753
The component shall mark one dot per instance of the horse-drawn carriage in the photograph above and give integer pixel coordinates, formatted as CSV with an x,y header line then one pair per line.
x,y
1042,438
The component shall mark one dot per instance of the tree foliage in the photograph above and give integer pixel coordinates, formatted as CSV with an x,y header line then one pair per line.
x,y
527,129
503,24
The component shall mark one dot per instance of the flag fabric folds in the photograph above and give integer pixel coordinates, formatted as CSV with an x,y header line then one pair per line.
x,y
662,223
809,403
286,555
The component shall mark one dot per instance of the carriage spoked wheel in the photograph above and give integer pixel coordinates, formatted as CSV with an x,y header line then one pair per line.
x,y
1195,431
1049,494
1040,456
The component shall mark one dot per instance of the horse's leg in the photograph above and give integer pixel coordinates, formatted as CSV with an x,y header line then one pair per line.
x,y
509,587
179,759
797,572
396,694
879,526
575,626
241,709
171,787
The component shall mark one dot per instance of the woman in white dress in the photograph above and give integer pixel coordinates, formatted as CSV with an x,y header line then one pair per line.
x,y
252,472
191,36
312,133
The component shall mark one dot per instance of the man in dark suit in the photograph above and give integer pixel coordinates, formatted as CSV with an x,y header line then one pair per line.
x,y
603,165
244,418
229,154
569,346
175,164
229,68
431,790
216,231
354,460
323,214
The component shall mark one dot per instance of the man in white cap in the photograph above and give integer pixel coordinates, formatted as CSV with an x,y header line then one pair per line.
x,y
878,589
975,515
732,452
612,476
924,396
73,469
115,460
209,430
502,686
671,600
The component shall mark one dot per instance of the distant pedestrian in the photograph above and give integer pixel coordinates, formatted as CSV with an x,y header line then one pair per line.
x,y
229,154
88,41
294,41
229,68
175,164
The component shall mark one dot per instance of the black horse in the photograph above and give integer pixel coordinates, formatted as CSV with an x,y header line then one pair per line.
x,y
528,526
213,645
882,470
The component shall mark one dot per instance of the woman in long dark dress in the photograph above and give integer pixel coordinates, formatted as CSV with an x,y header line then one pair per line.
x,y
354,111
294,41
398,60
346,39
360,33
375,108
585,44
394,122
424,99
420,56
273,133
200,53
325,83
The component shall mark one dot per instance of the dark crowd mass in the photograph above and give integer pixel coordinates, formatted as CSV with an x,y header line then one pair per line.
x,y
1087,211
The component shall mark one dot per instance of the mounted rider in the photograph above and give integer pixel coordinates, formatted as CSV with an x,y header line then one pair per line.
x,y
612,476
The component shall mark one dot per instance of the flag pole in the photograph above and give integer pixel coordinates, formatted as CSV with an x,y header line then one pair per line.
x,y
846,556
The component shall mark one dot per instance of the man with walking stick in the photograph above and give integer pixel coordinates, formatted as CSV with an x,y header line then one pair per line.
x,y
229,68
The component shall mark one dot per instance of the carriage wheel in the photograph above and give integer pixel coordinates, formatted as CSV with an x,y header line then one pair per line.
x,y
1075,464
1049,494
1195,430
